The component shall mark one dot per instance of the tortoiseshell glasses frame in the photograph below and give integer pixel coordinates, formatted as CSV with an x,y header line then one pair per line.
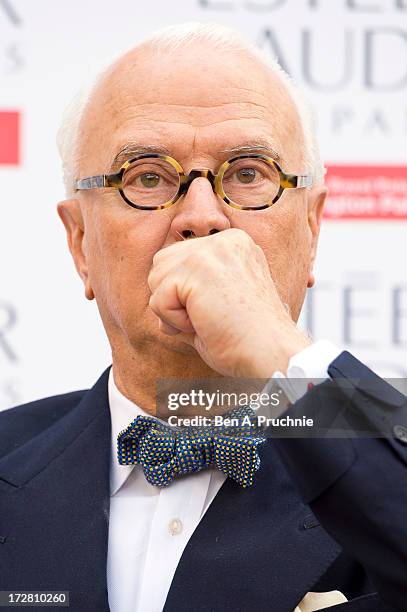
x,y
115,181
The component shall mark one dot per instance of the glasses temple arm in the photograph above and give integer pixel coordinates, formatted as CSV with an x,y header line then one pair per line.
x,y
91,182
304,180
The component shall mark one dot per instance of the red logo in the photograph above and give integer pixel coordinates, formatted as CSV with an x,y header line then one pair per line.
x,y
10,137
366,192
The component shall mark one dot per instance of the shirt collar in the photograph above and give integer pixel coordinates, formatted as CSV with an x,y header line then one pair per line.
x,y
122,412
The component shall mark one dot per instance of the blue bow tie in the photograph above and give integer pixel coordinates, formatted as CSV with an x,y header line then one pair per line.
x,y
165,452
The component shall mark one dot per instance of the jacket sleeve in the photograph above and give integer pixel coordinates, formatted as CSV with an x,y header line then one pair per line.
x,y
356,484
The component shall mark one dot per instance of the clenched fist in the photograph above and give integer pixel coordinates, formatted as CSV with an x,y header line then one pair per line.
x,y
217,294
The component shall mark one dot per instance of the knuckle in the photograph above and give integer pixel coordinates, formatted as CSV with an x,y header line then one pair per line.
x,y
151,281
239,234
259,252
195,259
150,278
159,256
153,302
240,237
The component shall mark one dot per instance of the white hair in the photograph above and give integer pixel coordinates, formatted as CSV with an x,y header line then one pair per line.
x,y
171,38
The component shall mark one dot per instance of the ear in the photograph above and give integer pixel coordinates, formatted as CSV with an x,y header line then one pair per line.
x,y
316,201
71,215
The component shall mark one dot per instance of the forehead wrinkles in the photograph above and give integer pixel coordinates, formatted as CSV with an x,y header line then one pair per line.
x,y
191,115
125,97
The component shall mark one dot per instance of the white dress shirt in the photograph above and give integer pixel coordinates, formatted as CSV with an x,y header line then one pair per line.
x,y
149,526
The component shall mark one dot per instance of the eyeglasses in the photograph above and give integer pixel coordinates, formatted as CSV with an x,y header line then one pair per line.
x,y
154,181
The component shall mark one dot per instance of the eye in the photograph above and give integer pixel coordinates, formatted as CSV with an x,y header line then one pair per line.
x,y
149,179
246,175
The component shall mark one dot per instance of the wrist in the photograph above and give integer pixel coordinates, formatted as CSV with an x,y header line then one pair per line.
x,y
273,352
295,345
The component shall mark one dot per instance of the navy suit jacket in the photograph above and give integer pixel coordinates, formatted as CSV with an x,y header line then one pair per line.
x,y
261,548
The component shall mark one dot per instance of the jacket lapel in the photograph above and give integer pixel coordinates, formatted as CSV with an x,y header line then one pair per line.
x,y
258,548
54,506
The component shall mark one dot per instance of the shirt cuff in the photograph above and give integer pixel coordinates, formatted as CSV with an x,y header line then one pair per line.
x,y
309,366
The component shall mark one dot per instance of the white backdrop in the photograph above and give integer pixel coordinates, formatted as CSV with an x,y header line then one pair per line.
x,y
351,57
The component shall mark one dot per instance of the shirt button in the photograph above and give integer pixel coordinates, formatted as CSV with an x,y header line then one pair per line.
x,y
175,527
400,433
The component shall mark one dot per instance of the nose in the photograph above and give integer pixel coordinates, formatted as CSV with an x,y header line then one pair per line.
x,y
199,212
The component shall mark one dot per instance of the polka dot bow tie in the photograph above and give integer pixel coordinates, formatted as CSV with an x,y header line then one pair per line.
x,y
165,452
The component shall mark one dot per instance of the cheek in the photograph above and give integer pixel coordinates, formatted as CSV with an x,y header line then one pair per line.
x,y
121,253
283,234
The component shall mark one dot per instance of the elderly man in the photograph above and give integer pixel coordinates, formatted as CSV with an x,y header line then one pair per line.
x,y
194,203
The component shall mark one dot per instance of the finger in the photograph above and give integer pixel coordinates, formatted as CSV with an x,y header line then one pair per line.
x,y
169,330
163,268
166,305
156,276
174,250
163,271
187,338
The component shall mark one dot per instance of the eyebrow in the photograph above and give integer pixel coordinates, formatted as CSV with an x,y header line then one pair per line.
x,y
133,149
257,145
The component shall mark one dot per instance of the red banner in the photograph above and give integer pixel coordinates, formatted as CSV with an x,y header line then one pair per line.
x,y
9,137
366,192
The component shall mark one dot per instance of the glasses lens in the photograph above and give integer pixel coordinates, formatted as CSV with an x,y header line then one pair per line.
x,y
150,182
251,182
